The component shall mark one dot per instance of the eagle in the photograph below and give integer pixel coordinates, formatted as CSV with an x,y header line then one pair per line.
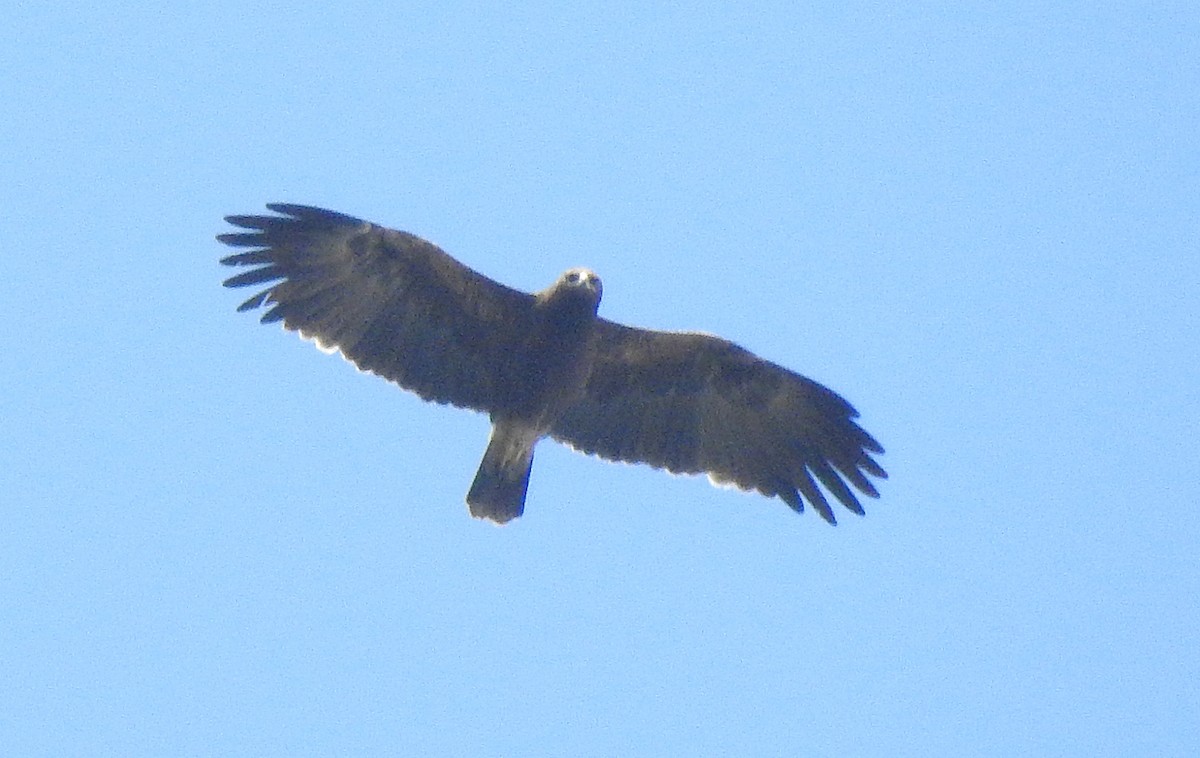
x,y
546,365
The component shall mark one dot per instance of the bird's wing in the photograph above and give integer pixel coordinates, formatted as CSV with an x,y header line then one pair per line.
x,y
694,403
392,303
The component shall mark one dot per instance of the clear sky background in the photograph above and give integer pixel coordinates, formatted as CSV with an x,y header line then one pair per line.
x,y
979,223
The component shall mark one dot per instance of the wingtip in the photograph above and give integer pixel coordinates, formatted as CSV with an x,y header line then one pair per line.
x,y
312,213
796,503
290,209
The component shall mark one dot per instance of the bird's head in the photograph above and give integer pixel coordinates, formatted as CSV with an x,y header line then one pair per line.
x,y
583,279
577,285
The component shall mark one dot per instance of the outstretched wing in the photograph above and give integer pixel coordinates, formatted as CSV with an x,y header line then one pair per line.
x,y
693,403
391,302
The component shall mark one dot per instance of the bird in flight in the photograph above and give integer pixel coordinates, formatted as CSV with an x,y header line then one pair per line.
x,y
546,365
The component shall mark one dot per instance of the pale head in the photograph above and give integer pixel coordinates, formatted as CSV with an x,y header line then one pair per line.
x,y
582,278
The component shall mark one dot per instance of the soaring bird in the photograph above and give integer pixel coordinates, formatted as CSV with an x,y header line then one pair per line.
x,y
546,365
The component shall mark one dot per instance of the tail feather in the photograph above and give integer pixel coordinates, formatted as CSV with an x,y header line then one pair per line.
x,y
498,492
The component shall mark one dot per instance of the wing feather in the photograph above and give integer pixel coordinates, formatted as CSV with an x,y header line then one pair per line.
x,y
693,403
392,303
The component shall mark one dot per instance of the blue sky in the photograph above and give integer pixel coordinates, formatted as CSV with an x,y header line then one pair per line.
x,y
979,223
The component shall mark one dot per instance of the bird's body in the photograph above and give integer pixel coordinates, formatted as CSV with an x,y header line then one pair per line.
x,y
546,364
555,356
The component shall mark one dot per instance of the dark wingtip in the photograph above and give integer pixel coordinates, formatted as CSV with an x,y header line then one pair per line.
x,y
873,468
834,484
813,494
292,209
253,258
253,302
313,213
796,503
254,276
242,239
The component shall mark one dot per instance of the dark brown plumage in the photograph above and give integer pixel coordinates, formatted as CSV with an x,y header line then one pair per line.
x,y
546,365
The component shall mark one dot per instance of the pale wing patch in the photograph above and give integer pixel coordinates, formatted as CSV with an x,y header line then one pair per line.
x,y
328,349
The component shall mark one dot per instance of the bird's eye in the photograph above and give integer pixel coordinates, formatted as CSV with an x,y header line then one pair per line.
x,y
573,277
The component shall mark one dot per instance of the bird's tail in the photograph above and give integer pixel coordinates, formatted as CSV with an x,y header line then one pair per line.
x,y
498,492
